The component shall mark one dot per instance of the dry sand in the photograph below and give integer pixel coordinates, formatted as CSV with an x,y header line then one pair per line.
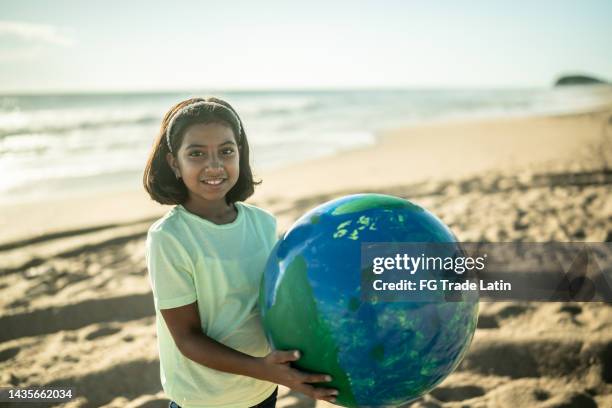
x,y
77,309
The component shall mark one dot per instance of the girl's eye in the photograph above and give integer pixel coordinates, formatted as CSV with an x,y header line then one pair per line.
x,y
227,152
195,153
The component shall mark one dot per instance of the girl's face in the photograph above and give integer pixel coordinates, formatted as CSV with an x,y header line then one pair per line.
x,y
207,161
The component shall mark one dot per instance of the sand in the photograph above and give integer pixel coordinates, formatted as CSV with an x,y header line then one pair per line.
x,y
77,309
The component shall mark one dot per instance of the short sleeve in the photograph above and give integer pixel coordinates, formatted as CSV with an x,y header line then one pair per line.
x,y
170,271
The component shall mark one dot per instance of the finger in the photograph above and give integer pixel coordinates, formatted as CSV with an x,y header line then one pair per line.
x,y
317,378
325,393
286,356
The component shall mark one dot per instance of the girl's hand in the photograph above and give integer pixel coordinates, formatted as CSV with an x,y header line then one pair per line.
x,y
276,369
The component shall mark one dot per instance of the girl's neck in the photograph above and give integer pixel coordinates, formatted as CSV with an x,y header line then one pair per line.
x,y
217,212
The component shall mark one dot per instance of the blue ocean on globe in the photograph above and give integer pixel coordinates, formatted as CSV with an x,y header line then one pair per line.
x,y
379,353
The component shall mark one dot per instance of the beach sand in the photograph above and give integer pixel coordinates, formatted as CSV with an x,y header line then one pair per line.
x,y
76,308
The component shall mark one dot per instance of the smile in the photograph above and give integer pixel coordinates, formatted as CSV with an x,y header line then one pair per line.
x,y
213,182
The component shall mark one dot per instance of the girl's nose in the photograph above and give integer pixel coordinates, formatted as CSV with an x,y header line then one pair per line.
x,y
214,164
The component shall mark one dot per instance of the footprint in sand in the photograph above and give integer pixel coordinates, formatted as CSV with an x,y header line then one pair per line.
x,y
9,353
541,395
12,379
102,332
71,359
18,303
512,311
457,393
487,322
574,310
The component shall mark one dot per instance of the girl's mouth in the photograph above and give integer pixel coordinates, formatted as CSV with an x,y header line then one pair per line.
x,y
213,182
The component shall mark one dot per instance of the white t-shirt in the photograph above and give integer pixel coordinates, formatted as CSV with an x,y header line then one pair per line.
x,y
219,266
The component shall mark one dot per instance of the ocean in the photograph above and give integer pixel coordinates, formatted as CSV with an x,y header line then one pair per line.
x,y
55,145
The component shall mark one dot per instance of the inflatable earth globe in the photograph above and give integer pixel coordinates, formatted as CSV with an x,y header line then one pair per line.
x,y
379,353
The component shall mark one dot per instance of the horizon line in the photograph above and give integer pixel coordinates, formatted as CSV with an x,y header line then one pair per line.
x,y
118,91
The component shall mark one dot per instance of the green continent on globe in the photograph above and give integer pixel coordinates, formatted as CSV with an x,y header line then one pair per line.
x,y
295,324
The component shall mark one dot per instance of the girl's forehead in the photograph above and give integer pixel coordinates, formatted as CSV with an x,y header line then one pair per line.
x,y
207,134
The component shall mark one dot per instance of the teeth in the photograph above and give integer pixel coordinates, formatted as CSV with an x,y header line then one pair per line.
x,y
214,182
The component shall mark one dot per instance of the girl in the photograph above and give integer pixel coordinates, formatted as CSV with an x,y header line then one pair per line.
x,y
205,259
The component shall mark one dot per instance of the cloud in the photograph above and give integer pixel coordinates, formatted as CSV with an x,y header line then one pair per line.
x,y
36,33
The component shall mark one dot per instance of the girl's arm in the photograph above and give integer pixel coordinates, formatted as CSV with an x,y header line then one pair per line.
x,y
184,325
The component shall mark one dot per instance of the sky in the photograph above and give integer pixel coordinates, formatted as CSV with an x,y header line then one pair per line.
x,y
72,46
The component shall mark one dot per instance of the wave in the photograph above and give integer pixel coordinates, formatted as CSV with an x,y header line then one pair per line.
x,y
84,124
16,123
272,110
278,106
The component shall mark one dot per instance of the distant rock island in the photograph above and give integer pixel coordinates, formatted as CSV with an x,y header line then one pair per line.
x,y
578,80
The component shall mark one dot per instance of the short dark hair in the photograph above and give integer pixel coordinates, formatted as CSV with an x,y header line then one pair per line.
x,y
160,181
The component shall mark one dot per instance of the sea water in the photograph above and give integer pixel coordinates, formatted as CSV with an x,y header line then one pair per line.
x,y
53,145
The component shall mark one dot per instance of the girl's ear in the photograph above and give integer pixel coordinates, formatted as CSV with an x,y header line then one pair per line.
x,y
173,164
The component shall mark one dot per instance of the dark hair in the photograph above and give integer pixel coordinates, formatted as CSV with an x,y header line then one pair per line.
x,y
160,181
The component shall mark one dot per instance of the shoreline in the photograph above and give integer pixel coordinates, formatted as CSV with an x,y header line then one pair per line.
x,y
454,150
446,150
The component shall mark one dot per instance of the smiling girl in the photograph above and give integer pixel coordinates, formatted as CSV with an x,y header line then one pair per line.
x,y
205,259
